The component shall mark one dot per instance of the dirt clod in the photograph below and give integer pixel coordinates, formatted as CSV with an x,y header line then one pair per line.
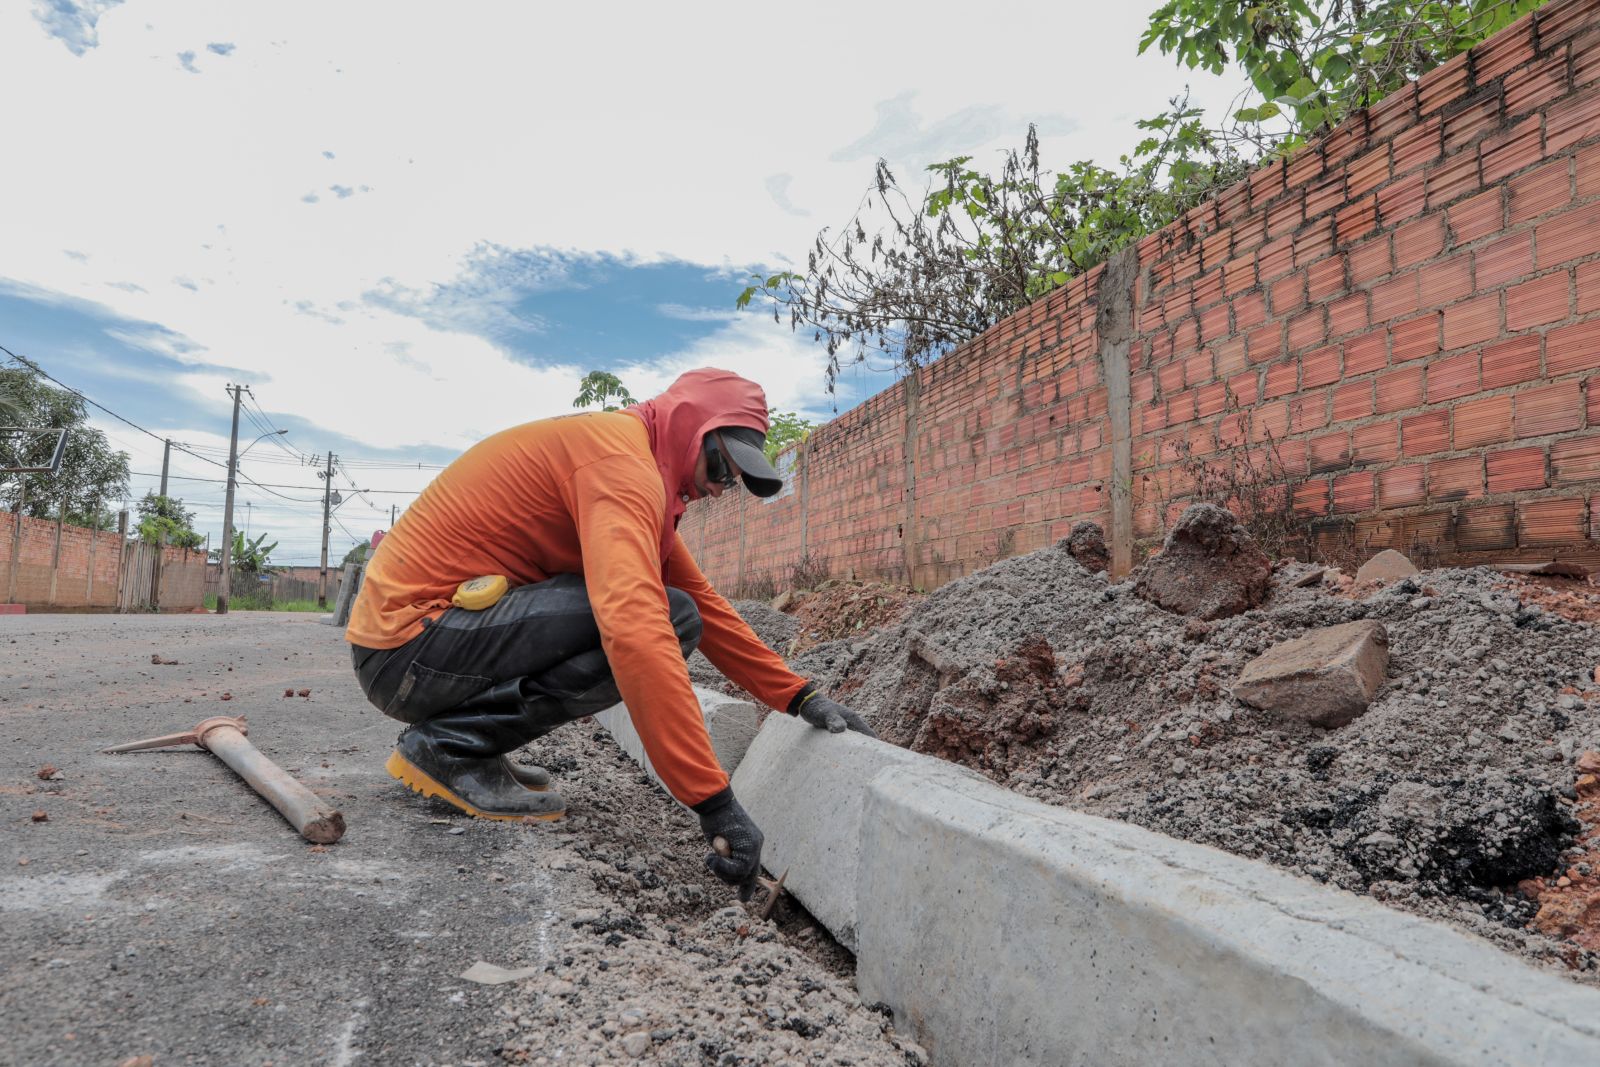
x,y
1086,543
1386,566
47,773
41,816
306,693
1209,567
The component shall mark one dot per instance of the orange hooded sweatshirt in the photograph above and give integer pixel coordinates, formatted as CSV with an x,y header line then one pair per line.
x,y
598,495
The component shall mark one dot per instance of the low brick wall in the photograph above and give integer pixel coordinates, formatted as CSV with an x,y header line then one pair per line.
x,y
71,568
1403,318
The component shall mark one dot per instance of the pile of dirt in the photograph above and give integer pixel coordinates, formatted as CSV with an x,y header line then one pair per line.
x,y
1457,784
846,609
838,610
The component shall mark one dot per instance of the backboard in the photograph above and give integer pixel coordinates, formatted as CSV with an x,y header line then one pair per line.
x,y
31,449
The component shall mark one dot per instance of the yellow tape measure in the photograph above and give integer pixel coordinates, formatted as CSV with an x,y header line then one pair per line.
x,y
475,594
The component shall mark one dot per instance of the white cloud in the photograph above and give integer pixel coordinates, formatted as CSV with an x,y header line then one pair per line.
x,y
73,24
216,202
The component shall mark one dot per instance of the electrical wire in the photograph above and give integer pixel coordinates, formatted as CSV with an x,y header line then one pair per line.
x,y
31,365
275,485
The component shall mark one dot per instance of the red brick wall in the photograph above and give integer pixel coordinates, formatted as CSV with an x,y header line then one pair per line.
x,y
1405,311
87,570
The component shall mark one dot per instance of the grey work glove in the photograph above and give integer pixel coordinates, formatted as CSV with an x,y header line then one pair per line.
x,y
832,716
721,816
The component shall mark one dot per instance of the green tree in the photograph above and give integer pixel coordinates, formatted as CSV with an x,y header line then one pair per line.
x,y
601,387
357,554
785,428
164,520
1311,64
11,406
93,475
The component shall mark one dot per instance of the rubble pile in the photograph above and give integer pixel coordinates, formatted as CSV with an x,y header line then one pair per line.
x,y
1445,775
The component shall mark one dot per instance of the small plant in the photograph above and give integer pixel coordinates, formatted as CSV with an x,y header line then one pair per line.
x,y
1256,486
809,572
760,586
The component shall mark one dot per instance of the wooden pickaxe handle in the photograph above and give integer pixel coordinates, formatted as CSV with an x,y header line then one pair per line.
x,y
225,737
773,886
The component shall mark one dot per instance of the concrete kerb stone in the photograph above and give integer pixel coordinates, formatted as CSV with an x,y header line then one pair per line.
x,y
732,724
806,789
1003,930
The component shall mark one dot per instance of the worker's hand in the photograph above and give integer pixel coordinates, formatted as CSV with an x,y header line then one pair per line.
x,y
722,817
833,717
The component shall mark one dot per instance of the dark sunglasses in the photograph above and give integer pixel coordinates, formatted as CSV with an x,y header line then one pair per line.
x,y
717,467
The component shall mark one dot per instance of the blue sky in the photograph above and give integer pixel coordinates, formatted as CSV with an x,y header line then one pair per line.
x,y
400,259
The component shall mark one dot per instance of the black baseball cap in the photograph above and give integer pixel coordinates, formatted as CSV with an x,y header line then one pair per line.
x,y
748,449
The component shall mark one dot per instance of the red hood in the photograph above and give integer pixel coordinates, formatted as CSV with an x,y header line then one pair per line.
x,y
678,420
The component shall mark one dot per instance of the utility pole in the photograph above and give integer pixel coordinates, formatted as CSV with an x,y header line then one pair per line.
x,y
327,524
391,515
166,459
226,557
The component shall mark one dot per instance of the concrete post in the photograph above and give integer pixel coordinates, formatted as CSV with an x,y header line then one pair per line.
x,y
16,541
908,534
740,585
122,560
803,462
1114,322
327,500
226,586
94,542
55,553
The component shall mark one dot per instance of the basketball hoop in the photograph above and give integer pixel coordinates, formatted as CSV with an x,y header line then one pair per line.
x,y
32,449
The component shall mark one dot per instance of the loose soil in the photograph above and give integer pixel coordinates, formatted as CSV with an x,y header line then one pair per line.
x,y
1456,796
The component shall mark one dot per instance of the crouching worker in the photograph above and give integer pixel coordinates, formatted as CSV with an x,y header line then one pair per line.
x,y
575,519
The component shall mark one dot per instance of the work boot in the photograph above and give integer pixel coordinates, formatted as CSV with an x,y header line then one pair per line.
x,y
459,757
529,776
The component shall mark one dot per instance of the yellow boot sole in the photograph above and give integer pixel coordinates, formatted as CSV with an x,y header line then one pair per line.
x,y
418,781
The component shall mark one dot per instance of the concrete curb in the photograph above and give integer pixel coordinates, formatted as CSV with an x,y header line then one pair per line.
x,y
805,788
1002,930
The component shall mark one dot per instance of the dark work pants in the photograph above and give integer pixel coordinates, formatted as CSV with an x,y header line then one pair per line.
x,y
537,648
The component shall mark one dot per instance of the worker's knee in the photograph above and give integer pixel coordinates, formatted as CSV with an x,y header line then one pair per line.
x,y
685,618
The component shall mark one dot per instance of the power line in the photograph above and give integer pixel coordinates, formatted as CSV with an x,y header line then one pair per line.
x,y
275,485
31,365
296,455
